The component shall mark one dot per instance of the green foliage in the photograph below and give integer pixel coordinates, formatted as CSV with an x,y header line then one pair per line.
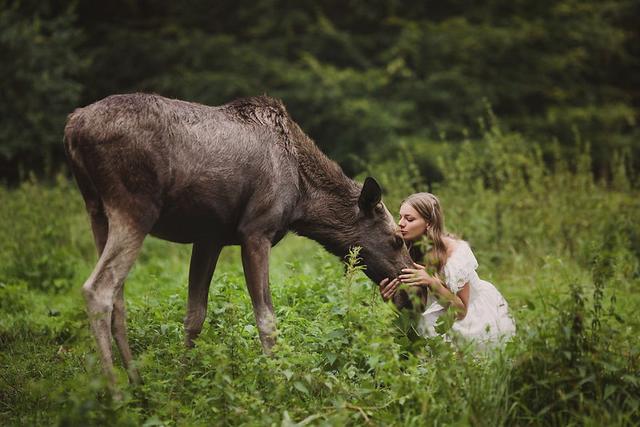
x,y
359,78
569,363
391,90
39,84
40,247
563,249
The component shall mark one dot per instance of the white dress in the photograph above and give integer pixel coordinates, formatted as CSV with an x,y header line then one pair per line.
x,y
487,321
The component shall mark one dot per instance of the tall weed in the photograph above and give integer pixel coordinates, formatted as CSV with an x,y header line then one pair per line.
x,y
40,246
562,248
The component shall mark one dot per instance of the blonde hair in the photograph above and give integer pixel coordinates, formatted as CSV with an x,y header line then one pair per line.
x,y
428,206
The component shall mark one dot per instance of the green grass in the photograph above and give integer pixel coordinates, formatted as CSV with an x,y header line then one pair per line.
x,y
563,250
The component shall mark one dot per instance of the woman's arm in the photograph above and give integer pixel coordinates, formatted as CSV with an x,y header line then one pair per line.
x,y
419,277
459,301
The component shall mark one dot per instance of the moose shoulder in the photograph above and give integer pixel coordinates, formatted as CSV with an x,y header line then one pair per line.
x,y
243,173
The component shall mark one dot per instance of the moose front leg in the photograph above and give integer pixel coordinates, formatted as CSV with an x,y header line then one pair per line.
x,y
203,261
255,261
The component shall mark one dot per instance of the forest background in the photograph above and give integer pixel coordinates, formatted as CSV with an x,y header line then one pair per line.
x,y
521,115
360,77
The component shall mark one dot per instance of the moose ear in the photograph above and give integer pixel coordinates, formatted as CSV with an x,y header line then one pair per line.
x,y
370,196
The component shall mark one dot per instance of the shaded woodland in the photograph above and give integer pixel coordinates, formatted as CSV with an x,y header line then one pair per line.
x,y
361,77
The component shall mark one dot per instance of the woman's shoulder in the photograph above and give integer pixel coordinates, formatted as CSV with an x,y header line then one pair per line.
x,y
460,266
456,246
459,251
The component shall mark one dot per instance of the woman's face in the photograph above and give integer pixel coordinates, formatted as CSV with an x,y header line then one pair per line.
x,y
411,224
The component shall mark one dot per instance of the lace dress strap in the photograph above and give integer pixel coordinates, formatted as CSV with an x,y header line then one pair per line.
x,y
460,267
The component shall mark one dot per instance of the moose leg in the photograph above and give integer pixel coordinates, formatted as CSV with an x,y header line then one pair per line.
x,y
255,261
203,262
119,331
99,226
104,285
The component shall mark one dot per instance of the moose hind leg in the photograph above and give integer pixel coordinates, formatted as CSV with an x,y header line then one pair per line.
x,y
203,263
119,330
104,285
99,226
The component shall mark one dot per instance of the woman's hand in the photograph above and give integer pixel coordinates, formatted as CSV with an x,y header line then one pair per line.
x,y
388,288
418,276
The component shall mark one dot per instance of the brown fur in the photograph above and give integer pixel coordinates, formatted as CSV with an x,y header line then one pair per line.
x,y
240,174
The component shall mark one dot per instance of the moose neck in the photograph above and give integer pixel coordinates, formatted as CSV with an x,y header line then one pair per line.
x,y
327,208
327,220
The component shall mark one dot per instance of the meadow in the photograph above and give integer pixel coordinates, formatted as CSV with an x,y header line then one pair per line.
x,y
563,248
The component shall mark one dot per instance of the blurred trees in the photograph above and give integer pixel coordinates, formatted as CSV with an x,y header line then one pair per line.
x,y
360,77
39,82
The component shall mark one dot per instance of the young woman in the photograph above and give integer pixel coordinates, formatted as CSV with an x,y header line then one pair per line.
x,y
450,280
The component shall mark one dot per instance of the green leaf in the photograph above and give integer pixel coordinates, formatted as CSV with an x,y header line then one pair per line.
x,y
331,358
301,387
609,390
618,318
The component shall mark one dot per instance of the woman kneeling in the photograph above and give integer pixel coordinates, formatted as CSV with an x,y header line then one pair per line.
x,y
450,281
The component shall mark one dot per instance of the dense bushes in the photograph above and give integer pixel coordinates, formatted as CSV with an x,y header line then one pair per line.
x,y
561,247
355,77
41,242
578,364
